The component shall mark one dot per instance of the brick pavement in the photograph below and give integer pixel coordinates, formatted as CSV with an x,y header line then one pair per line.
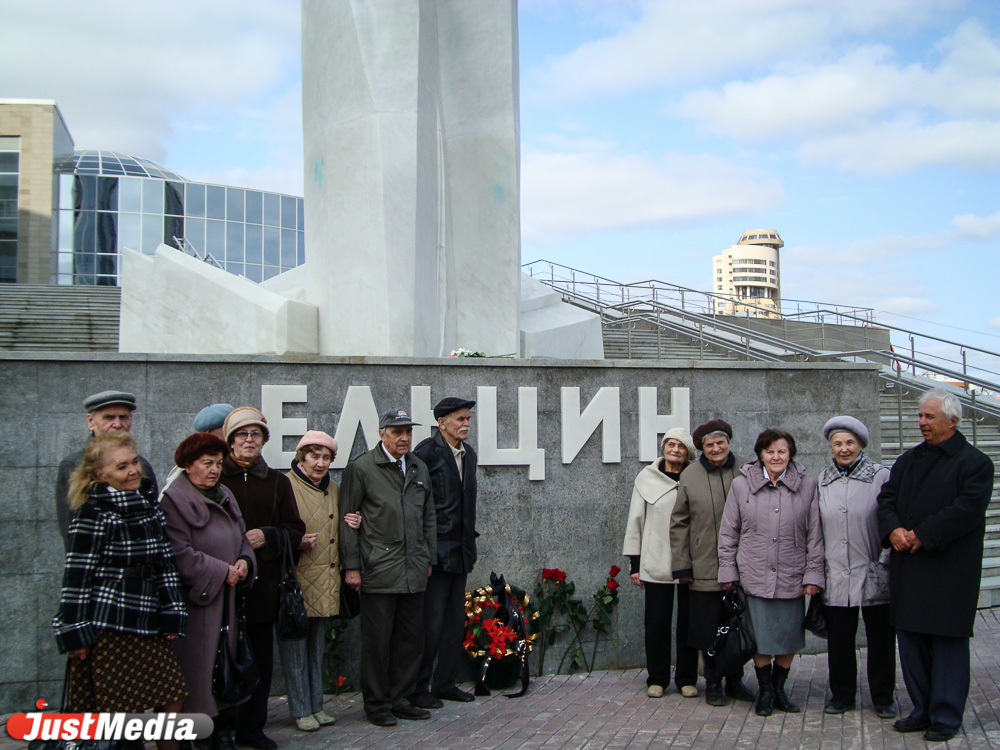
x,y
611,710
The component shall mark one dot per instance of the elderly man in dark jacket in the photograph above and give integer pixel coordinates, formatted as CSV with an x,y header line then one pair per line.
x,y
452,465
932,512
389,560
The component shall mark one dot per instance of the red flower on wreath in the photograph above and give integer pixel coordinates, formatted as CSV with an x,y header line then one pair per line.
x,y
615,570
612,585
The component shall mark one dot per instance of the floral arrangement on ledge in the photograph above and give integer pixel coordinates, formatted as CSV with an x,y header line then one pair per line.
x,y
554,597
470,353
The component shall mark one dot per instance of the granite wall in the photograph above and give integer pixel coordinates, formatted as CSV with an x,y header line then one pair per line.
x,y
572,519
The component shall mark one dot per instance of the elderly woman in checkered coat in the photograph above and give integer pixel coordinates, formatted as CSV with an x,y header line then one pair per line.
x,y
121,601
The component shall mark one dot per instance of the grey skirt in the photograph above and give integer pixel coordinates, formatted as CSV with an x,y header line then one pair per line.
x,y
776,624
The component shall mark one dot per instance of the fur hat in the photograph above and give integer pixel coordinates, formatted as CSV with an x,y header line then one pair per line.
x,y
197,445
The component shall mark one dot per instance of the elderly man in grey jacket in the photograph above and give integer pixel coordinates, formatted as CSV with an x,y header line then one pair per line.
x,y
389,560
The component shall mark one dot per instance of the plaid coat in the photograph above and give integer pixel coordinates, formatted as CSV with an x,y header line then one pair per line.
x,y
115,531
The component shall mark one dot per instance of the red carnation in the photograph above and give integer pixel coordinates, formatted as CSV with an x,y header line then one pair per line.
x,y
612,585
615,570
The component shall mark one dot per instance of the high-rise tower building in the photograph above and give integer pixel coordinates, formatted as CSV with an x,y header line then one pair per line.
x,y
746,277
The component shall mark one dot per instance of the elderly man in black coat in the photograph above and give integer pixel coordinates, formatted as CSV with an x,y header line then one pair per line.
x,y
452,465
932,512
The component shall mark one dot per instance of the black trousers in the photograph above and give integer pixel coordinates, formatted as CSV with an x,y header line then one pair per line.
x,y
842,623
936,674
444,630
392,645
658,615
252,715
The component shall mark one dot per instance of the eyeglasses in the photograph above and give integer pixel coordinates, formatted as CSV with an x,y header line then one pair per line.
x,y
249,435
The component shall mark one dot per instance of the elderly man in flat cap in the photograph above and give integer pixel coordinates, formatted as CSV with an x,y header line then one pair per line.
x,y
389,560
452,466
107,412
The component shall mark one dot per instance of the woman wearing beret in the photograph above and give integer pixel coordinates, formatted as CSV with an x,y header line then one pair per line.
x,y
771,543
694,542
213,555
857,569
121,601
318,571
647,545
268,506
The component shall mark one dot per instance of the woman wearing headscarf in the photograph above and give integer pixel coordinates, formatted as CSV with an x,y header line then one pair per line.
x,y
267,503
694,542
771,544
213,556
647,545
121,601
857,570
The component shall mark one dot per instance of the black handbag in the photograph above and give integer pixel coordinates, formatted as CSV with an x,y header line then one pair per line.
x,y
233,677
350,601
293,622
733,645
815,621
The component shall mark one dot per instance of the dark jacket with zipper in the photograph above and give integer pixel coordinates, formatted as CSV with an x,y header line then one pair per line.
x,y
695,521
266,502
397,540
454,503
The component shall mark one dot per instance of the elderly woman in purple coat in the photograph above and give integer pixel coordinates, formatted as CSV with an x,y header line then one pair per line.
x,y
213,555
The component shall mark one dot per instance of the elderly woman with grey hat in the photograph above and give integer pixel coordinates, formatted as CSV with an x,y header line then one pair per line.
x,y
647,545
694,542
267,502
857,569
318,571
771,543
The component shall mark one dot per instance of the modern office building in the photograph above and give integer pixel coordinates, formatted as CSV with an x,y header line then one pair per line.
x,y
75,210
746,277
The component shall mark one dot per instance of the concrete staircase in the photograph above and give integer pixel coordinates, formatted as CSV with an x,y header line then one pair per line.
x,y
621,342
42,317
987,440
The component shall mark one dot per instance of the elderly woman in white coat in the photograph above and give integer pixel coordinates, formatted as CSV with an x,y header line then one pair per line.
x,y
857,569
647,545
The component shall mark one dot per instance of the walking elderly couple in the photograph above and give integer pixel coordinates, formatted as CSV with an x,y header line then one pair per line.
x,y
149,575
902,548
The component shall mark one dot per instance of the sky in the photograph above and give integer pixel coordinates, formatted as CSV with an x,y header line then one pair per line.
x,y
653,134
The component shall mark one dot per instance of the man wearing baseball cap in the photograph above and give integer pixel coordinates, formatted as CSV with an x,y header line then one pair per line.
x,y
388,560
452,466
107,412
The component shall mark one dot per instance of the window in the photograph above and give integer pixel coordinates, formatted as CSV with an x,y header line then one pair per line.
x,y
215,203
129,195
152,196
234,204
194,200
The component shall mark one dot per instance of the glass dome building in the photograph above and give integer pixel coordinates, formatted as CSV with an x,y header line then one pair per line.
x,y
108,200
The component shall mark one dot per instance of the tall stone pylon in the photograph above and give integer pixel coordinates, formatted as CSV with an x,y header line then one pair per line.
x,y
412,175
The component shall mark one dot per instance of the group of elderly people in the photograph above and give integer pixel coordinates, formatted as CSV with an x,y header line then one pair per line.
x,y
148,578
698,527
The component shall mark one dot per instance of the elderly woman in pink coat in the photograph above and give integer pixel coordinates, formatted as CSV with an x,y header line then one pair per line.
x,y
771,543
213,556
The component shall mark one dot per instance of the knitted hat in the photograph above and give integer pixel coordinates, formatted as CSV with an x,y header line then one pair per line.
x,y
679,433
212,417
847,424
714,425
244,416
316,437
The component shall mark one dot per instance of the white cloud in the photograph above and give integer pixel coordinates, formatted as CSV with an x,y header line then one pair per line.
x,y
972,227
125,74
592,188
683,41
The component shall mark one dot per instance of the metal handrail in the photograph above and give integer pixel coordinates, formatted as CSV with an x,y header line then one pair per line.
x,y
185,246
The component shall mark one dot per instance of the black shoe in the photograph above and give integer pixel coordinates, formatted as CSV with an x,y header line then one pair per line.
x,y
258,742
383,718
765,691
781,699
885,710
910,724
940,732
453,693
410,712
714,695
736,689
425,700
838,707
222,739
